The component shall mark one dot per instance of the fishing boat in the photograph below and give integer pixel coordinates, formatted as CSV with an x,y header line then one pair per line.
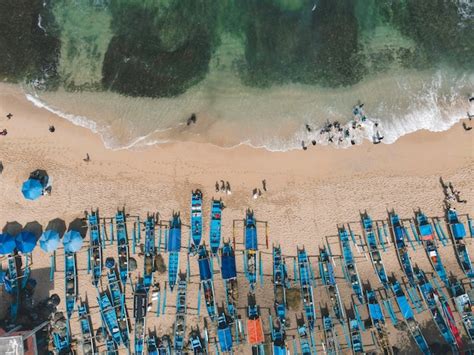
x,y
180,322
109,318
70,281
140,304
458,233
332,345
196,343
256,337
356,337
88,345
229,276
173,249
150,252
151,345
111,346
224,333
426,233
432,301
409,317
251,248
465,305
196,218
118,303
215,229
375,255
304,337
399,235
95,249
326,271
278,335
306,283
62,342
350,267
207,281
280,285
122,246
164,345
12,285
378,321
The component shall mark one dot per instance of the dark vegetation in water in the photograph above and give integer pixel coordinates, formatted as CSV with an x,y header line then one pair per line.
x,y
27,52
154,54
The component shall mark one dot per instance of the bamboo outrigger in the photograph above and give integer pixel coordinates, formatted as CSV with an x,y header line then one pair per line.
x,y
122,246
150,252
196,218
458,233
207,282
87,341
375,255
306,282
280,285
215,228
174,248
95,249
350,267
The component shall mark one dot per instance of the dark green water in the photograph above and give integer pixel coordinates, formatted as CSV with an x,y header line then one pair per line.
x,y
165,48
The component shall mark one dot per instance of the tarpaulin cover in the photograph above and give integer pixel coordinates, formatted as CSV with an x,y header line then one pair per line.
x,y
459,231
204,269
174,239
375,311
225,339
255,331
251,238
398,233
405,308
228,267
426,232
279,350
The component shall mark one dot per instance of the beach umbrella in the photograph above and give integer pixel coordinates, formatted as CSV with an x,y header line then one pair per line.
x,y
7,244
72,241
25,241
49,241
110,263
32,189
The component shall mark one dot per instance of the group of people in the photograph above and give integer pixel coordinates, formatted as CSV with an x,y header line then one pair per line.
x,y
223,187
256,192
450,193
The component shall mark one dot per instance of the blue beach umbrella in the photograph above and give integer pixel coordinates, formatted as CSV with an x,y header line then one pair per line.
x,y
7,244
72,241
32,189
25,242
49,241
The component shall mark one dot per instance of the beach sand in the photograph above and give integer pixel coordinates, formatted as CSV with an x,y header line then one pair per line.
x,y
309,193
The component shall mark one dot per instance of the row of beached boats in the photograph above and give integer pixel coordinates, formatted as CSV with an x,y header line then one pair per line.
x,y
418,292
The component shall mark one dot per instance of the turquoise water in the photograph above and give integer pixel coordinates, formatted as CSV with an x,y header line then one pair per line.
x,y
254,71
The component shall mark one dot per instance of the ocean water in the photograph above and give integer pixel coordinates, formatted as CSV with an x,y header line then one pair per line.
x,y
253,71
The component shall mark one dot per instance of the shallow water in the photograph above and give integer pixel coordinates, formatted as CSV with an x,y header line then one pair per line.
x,y
253,71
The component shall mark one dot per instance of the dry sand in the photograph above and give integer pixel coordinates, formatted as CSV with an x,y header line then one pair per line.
x,y
309,193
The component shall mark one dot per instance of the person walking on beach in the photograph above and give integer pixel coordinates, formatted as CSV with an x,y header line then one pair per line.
x,y
217,186
4,132
52,129
9,115
255,193
227,188
302,144
466,128
222,185
1,167
87,158
264,185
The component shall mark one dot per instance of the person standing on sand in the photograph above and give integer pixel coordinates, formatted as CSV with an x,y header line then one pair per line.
x,y
217,186
264,185
9,115
1,167
52,129
227,188
87,158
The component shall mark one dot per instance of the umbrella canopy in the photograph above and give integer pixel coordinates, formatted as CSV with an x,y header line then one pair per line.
x,y
25,241
110,263
32,189
7,244
49,241
72,241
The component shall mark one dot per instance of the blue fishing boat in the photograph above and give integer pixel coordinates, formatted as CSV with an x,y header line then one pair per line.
x,y
278,335
164,346
196,217
196,343
350,267
432,301
306,283
326,271
251,248
150,252
330,336
224,333
70,281
215,229
255,334
458,233
280,285
87,342
465,305
356,337
375,255
426,233
152,345
180,322
174,248
304,337
207,281
62,342
117,298
140,304
399,235
378,321
122,246
12,285
409,318
95,249
229,276
111,346
109,318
